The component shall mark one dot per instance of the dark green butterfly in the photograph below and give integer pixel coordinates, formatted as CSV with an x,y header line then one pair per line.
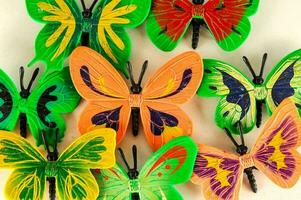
x,y
241,98
40,108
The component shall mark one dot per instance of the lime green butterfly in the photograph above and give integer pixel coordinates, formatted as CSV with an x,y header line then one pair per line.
x,y
241,98
71,171
101,27
40,108
171,164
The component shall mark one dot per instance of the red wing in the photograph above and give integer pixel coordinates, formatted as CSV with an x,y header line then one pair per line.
x,y
168,22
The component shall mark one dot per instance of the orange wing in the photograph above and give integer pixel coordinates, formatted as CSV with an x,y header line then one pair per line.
x,y
101,85
219,173
275,152
173,84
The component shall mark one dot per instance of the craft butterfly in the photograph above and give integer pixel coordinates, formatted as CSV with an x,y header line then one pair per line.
x,y
227,21
275,154
40,108
171,164
101,27
110,102
70,173
241,100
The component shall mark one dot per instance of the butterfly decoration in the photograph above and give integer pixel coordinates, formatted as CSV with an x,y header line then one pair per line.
x,y
227,21
241,99
275,154
171,164
68,174
40,108
101,26
110,103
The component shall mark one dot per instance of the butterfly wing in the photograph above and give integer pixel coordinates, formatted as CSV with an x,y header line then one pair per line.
x,y
236,92
107,94
113,183
9,99
275,152
61,33
28,179
284,81
173,84
219,173
107,33
171,164
52,97
168,22
228,20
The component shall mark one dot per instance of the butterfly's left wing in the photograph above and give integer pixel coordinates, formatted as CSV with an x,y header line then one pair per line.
x,y
218,173
107,35
61,33
171,164
173,84
284,81
275,152
93,150
228,20
52,97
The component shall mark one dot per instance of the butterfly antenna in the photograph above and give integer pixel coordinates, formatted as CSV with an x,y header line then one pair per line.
x,y
143,70
264,59
246,60
124,159
21,71
83,4
231,138
34,76
93,5
135,160
130,70
45,142
241,134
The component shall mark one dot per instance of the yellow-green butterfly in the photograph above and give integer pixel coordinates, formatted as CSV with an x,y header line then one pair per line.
x,y
70,172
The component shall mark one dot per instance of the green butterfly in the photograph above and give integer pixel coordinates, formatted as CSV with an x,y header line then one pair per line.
x,y
101,27
70,173
171,164
241,98
40,108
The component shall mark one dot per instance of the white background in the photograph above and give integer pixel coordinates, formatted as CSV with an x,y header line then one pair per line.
x,y
275,30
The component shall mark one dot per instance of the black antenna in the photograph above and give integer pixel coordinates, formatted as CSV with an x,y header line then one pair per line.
x,y
93,5
124,159
241,134
83,4
130,70
21,71
34,76
231,138
26,91
264,59
143,70
246,60
134,152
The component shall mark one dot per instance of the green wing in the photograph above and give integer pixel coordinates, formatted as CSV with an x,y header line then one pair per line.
x,y
113,183
54,96
284,81
61,33
28,179
171,164
236,92
108,36
9,99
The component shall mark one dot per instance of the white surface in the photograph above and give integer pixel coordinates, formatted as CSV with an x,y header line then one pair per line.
x,y
275,29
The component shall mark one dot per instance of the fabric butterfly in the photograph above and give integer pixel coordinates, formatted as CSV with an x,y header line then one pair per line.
x,y
275,154
227,21
241,100
101,27
171,164
110,102
71,171
40,108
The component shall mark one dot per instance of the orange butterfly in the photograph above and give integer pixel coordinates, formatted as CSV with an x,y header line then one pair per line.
x,y
110,102
275,154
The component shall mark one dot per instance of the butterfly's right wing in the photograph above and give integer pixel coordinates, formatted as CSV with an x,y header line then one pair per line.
x,y
9,99
168,22
113,183
236,92
61,33
218,173
98,82
28,178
